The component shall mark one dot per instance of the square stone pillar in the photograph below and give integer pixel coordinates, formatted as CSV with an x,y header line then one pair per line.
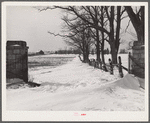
x,y
137,60
17,60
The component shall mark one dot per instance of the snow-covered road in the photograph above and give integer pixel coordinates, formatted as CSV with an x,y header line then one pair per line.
x,y
76,86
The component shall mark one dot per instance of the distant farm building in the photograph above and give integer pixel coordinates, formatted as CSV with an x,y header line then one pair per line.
x,y
40,52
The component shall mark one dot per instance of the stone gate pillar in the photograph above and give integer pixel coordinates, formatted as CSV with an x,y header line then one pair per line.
x,y
17,60
137,60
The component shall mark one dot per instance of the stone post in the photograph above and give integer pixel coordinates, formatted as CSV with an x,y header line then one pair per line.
x,y
137,60
17,60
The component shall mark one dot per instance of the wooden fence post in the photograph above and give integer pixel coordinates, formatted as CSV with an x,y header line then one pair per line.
x,y
80,57
111,66
100,62
120,67
89,62
104,67
129,62
97,64
94,63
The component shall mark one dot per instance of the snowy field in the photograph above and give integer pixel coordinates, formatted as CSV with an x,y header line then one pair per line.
x,y
76,86
35,62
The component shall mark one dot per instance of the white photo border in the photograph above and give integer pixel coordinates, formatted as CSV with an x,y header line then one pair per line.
x,y
69,115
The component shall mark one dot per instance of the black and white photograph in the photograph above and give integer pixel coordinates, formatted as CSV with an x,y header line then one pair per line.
x,y
75,61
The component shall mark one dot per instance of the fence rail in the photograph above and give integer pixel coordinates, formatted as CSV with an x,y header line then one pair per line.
x,y
107,66
110,66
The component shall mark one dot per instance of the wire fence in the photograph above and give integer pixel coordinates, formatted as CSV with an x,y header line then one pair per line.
x,y
108,67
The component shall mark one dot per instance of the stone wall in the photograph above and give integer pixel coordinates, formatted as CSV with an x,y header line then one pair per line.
x,y
17,60
137,60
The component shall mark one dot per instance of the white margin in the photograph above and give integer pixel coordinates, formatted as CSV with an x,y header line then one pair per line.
x,y
69,115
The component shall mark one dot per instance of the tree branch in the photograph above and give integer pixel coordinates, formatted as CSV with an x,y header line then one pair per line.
x,y
127,25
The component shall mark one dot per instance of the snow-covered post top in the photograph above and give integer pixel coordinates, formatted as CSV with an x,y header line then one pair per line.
x,y
111,66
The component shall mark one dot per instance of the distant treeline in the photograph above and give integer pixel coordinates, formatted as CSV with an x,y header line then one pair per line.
x,y
106,51
71,51
68,52
36,53
32,54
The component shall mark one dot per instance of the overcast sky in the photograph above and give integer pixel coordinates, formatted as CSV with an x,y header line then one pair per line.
x,y
28,24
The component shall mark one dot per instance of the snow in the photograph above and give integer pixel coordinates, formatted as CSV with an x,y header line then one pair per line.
x,y
76,86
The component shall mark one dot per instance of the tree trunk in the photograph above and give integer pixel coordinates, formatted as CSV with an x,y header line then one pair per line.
x,y
137,21
117,40
84,50
103,61
102,53
84,56
113,54
111,38
140,35
102,33
87,54
103,58
97,46
102,48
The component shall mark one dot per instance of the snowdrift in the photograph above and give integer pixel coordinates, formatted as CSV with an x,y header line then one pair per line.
x,y
128,82
76,86
142,82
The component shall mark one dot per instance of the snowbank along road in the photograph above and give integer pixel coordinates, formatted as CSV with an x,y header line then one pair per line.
x,y
76,86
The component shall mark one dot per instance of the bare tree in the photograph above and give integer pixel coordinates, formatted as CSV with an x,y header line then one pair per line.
x,y
91,16
79,35
137,19
114,15
113,33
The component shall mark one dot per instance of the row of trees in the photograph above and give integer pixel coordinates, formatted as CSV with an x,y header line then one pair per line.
x,y
86,26
71,51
